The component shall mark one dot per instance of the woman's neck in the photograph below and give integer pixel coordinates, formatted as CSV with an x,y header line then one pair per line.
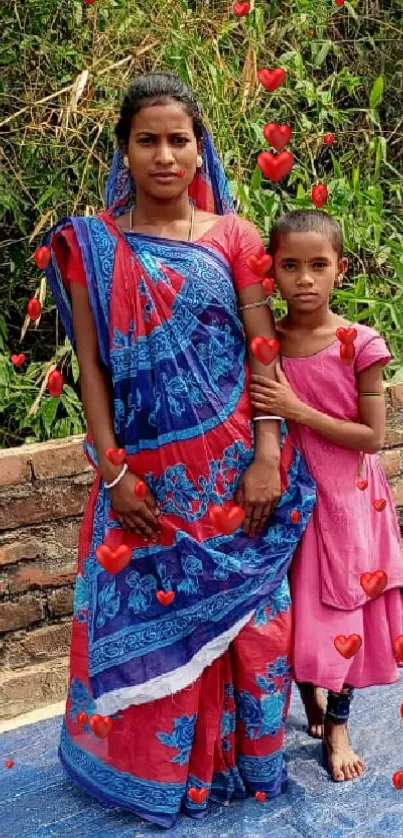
x,y
151,211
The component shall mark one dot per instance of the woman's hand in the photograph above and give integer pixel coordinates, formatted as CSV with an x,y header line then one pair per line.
x,y
258,492
275,397
135,515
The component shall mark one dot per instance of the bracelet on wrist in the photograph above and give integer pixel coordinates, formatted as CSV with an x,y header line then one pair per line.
x,y
118,478
259,418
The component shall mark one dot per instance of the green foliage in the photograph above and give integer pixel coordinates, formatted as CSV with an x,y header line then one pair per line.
x,y
344,75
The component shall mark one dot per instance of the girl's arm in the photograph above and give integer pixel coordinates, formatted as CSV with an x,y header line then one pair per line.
x,y
366,435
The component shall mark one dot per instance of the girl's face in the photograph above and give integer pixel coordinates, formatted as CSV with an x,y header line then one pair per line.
x,y
306,267
162,150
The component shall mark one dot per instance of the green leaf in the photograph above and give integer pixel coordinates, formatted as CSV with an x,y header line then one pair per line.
x,y
376,95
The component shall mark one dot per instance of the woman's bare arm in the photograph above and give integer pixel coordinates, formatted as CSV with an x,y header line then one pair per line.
x,y
94,381
98,408
259,321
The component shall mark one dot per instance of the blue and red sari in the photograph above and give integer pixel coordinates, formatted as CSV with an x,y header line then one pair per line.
x,y
198,691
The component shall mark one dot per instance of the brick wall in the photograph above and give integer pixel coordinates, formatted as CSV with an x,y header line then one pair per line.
x,y
42,492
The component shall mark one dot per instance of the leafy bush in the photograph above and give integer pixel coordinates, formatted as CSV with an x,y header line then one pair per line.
x,y
64,68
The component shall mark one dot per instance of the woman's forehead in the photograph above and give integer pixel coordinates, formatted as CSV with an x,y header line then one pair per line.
x,y
160,118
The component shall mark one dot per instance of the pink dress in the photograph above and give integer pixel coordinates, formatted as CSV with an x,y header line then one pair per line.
x,y
346,535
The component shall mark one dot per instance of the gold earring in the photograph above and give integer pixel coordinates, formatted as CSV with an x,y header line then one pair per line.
x,y
126,162
199,161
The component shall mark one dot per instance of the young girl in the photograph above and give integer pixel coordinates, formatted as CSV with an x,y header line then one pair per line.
x,y
333,400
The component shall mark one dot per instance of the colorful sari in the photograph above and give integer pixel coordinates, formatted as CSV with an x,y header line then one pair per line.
x,y
198,690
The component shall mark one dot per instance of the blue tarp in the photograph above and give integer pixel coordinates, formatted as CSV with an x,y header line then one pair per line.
x,y
36,799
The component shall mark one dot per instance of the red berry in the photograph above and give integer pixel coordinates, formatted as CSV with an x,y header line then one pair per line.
x,y
34,309
328,139
319,195
55,384
269,286
42,257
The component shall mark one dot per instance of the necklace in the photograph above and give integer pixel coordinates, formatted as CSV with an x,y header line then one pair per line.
x,y
191,224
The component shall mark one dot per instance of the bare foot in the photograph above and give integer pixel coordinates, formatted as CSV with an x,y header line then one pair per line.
x,y
315,708
344,764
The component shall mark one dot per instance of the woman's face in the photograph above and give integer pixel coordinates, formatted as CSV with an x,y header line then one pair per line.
x,y
162,150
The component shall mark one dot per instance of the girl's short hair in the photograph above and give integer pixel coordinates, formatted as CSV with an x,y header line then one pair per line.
x,y
157,89
307,221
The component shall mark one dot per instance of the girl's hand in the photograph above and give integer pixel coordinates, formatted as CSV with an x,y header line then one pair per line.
x,y
138,516
258,491
276,397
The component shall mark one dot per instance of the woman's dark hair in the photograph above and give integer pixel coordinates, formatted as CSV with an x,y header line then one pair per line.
x,y
307,221
157,89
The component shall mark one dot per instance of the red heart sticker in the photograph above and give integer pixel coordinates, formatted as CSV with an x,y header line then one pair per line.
x,y
347,353
348,646
269,286
197,795
277,135
271,79
261,796
140,490
362,484
241,9
295,516
82,718
55,383
260,265
379,505
265,349
114,560
328,139
34,309
319,195
9,763
116,456
165,597
275,167
397,780
100,725
346,336
373,583
42,257
18,360
227,520
398,647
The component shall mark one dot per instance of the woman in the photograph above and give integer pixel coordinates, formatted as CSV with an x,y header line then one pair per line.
x,y
185,650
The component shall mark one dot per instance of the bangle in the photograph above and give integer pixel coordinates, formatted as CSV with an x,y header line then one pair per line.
x,y
370,394
265,302
118,478
259,418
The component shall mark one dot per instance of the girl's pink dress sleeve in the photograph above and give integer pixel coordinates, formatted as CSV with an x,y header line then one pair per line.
x,y
69,258
373,351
